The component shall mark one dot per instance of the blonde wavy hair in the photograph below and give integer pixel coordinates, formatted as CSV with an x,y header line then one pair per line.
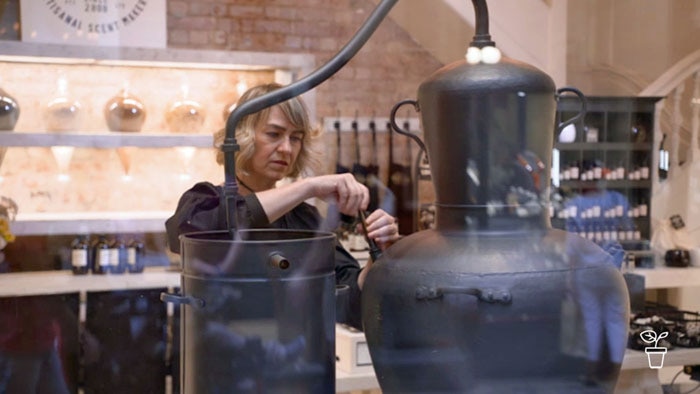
x,y
295,110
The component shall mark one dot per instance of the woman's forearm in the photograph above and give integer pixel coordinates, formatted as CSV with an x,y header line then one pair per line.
x,y
343,189
278,201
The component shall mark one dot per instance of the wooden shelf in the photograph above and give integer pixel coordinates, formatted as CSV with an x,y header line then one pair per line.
x,y
105,140
345,382
60,282
598,146
662,277
89,222
610,184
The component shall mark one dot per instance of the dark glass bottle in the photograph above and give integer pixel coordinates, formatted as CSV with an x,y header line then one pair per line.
x,y
134,251
80,255
101,256
118,256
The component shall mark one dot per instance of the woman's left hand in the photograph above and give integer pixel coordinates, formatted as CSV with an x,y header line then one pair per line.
x,y
382,228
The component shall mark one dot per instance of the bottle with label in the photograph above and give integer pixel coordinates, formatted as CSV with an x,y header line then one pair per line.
x,y
118,257
101,256
80,255
643,208
574,171
134,252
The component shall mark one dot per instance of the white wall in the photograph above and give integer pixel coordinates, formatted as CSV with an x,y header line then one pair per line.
x,y
531,31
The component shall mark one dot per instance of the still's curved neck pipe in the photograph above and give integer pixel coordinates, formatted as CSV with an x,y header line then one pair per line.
x,y
482,38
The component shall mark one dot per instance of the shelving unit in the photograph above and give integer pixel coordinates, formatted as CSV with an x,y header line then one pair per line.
x,y
93,75
59,282
606,162
617,137
62,223
65,223
105,140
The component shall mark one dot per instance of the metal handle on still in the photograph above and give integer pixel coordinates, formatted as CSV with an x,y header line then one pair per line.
x,y
182,300
489,295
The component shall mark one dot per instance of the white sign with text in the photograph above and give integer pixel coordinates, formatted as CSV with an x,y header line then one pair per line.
x,y
128,23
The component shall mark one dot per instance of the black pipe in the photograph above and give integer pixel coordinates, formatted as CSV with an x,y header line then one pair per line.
x,y
230,146
482,38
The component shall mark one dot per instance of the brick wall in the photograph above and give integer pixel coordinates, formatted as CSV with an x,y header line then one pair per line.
x,y
387,69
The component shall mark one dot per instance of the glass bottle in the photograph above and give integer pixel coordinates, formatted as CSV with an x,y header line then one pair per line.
x,y
574,171
63,113
125,112
9,111
118,257
80,255
134,251
185,115
101,256
643,207
9,114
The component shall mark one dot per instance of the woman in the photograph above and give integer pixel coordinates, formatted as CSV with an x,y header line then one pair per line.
x,y
276,143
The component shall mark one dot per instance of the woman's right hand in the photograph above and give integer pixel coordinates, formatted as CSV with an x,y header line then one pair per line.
x,y
349,194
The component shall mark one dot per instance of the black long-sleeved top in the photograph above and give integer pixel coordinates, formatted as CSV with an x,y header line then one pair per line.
x,y
202,208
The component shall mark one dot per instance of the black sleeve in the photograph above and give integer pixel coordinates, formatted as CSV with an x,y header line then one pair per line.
x,y
348,306
347,269
202,208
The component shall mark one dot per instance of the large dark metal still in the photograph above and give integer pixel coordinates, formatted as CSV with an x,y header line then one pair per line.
x,y
260,312
493,300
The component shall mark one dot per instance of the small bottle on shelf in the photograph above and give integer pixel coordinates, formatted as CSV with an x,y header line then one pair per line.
x,y
644,169
606,233
118,257
134,261
598,232
621,233
629,232
565,174
637,234
597,171
574,171
643,208
80,255
620,171
101,256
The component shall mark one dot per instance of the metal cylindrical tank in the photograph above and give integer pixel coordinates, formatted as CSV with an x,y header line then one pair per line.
x,y
259,312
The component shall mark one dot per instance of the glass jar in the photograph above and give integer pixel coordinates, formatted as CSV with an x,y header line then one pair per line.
x,y
185,116
63,113
125,112
9,111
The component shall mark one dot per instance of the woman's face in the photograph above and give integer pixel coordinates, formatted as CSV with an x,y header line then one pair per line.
x,y
277,146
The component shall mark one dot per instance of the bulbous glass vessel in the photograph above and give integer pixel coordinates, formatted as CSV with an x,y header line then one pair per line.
x,y
125,112
185,116
9,111
63,112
